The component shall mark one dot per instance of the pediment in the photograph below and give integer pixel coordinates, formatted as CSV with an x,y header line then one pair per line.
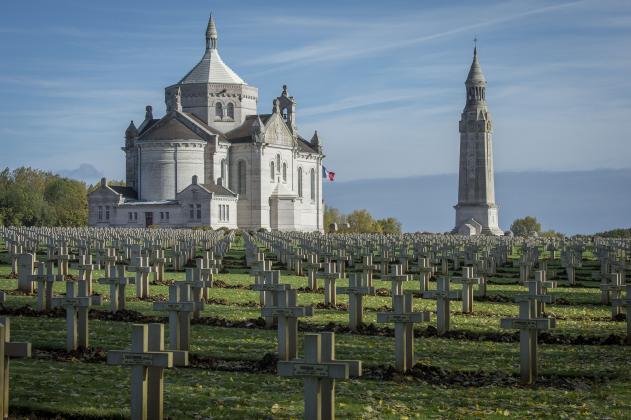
x,y
277,132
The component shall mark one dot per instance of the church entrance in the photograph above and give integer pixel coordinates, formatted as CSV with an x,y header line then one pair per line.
x,y
148,218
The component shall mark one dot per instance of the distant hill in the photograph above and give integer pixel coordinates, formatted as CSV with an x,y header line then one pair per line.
x,y
86,172
569,202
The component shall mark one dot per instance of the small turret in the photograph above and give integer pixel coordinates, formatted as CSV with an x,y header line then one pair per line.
x,y
287,106
258,130
131,132
315,140
211,34
178,99
476,82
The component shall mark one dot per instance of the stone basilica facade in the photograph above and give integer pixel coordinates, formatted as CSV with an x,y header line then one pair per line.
x,y
212,160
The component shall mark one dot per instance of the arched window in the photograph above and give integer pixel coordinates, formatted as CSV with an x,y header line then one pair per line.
x,y
312,185
299,182
271,171
241,177
218,110
284,171
278,162
230,111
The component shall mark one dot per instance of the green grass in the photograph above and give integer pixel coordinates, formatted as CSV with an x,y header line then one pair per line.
x,y
74,388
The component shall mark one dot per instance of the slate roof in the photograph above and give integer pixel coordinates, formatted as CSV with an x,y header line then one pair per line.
x,y
218,189
212,69
243,133
170,129
149,124
306,146
126,192
201,123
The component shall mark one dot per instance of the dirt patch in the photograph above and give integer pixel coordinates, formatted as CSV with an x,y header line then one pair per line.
x,y
495,299
337,307
307,290
267,364
439,376
89,355
166,282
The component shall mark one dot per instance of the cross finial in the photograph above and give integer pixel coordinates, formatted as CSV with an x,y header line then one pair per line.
x,y
475,45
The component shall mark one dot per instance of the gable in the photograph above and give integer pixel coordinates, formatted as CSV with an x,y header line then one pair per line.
x,y
193,192
170,128
277,132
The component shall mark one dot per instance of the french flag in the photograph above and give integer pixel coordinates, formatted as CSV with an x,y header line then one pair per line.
x,y
328,174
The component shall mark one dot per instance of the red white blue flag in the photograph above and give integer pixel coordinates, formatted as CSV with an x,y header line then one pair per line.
x,y
330,175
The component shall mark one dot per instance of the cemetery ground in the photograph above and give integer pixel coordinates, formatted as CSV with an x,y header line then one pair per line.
x,y
473,370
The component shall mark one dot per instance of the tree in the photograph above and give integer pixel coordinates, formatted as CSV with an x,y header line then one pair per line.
x,y
390,225
361,221
333,215
30,197
526,226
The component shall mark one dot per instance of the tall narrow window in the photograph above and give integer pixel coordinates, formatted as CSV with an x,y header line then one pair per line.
x,y
272,173
230,111
107,212
299,182
312,186
227,213
191,211
100,212
224,172
278,162
284,171
218,110
199,211
241,177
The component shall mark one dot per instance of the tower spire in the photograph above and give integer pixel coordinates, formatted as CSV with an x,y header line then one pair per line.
x,y
211,34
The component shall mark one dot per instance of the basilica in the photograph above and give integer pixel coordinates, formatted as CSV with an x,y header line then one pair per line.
x,y
214,161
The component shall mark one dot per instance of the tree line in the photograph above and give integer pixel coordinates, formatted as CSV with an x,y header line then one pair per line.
x,y
31,197
360,221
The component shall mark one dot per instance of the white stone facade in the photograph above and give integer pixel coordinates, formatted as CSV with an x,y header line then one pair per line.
x,y
476,211
255,171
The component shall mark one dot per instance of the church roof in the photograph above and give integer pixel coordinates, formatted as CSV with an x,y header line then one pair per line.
x,y
243,133
475,72
148,125
211,68
306,146
202,124
169,128
127,192
218,189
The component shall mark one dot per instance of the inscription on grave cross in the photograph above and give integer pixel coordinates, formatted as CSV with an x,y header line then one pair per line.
x,y
356,290
287,313
528,326
319,370
140,360
404,320
443,297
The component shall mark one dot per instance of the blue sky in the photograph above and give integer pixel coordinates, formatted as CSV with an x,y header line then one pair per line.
x,y
382,82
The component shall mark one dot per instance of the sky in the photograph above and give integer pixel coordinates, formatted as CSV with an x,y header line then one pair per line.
x,y
383,83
